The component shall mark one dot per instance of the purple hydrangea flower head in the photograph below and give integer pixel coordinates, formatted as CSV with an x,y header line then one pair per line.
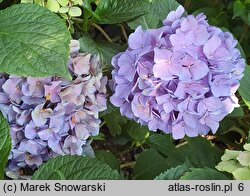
x,y
51,116
180,78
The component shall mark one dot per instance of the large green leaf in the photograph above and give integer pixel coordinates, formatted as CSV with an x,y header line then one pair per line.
x,y
114,121
110,108
204,174
116,11
230,132
136,131
5,144
244,86
149,164
175,173
163,143
75,168
199,151
104,49
237,112
108,158
158,11
34,42
239,8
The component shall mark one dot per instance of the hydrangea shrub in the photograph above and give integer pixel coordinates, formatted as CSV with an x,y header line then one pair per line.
x,y
180,78
52,116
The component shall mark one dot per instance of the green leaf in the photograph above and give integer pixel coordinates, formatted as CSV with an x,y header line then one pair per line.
x,y
175,173
225,125
204,174
5,144
228,161
110,109
108,158
242,173
74,167
244,86
244,158
163,143
229,132
230,155
88,9
247,147
248,18
59,175
149,164
114,121
136,131
35,42
239,8
199,151
75,11
116,11
158,11
238,112
87,44
105,50
228,166
99,137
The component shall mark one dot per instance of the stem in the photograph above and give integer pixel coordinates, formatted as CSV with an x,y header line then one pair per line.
x,y
102,32
78,27
124,32
128,164
103,123
85,22
78,20
181,144
85,25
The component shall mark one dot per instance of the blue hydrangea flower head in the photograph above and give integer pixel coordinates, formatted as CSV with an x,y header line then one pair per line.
x,y
180,78
51,116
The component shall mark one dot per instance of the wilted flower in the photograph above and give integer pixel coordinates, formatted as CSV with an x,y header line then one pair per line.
x,y
51,116
180,78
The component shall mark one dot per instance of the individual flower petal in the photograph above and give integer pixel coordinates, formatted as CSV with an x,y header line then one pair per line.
x,y
52,91
174,15
39,115
81,64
